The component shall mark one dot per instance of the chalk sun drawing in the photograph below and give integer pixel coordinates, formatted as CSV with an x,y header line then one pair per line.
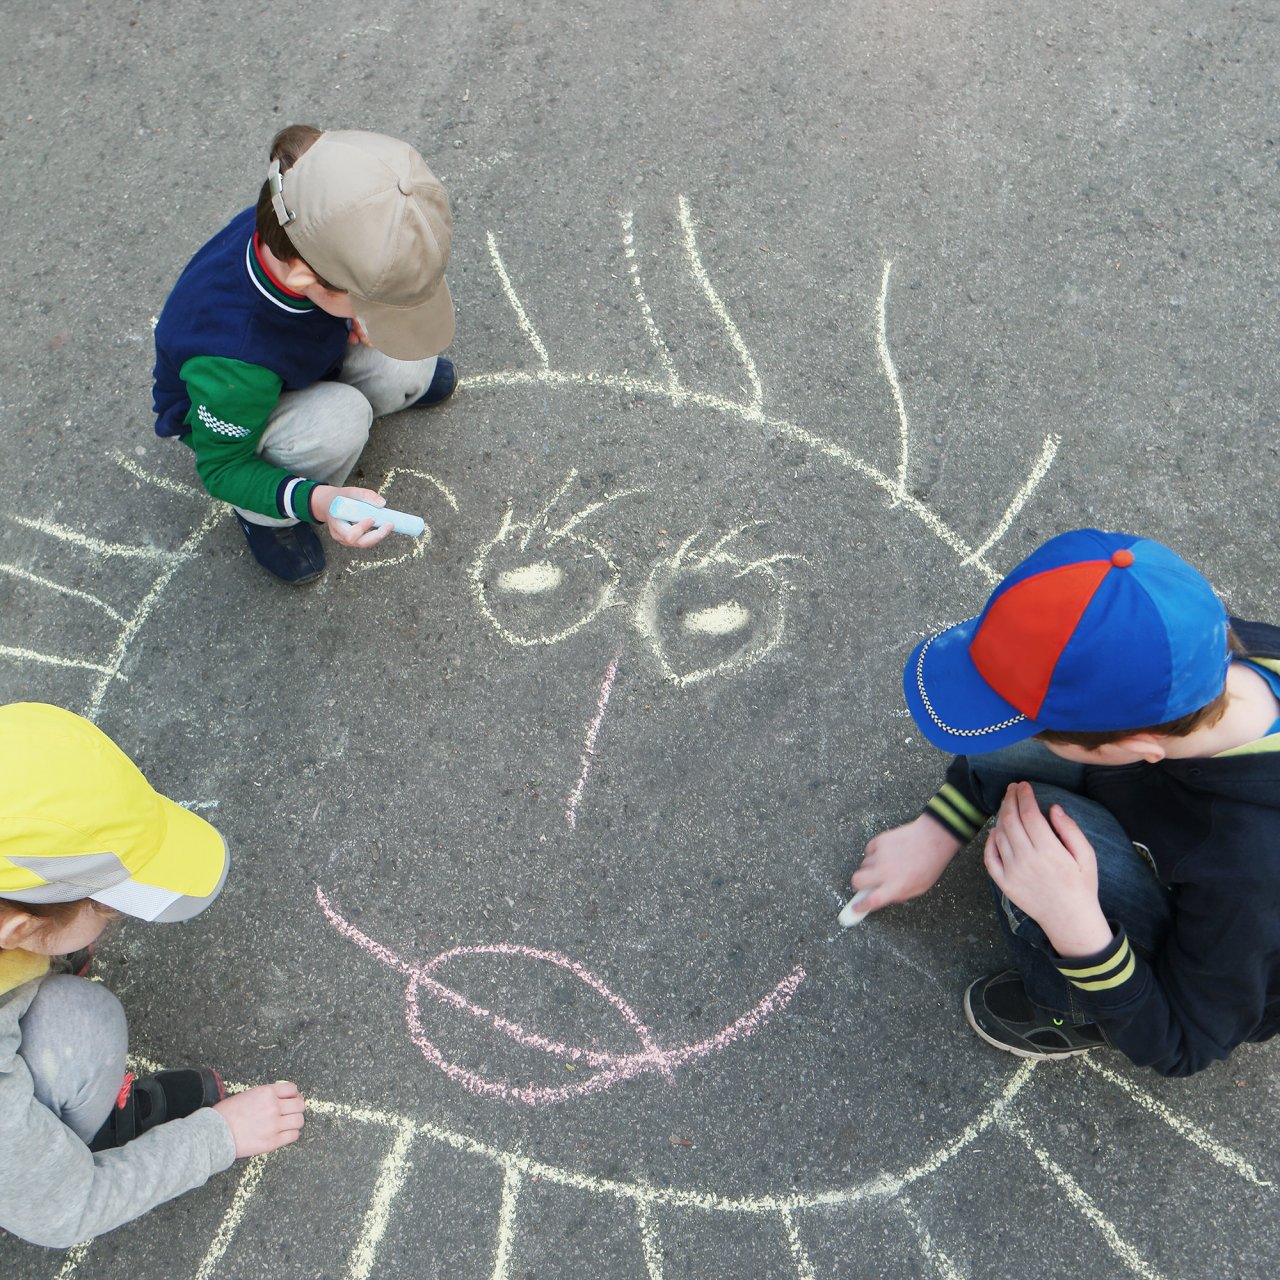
x,y
121,602
610,1068
406,1143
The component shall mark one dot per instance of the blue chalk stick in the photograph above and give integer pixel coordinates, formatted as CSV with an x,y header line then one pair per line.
x,y
353,510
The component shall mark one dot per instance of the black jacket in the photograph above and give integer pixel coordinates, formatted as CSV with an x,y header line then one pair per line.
x,y
1213,828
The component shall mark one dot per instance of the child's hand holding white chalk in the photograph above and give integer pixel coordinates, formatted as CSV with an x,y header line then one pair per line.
x,y
900,864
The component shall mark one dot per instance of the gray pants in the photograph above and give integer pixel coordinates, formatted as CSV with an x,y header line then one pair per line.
x,y
320,431
74,1038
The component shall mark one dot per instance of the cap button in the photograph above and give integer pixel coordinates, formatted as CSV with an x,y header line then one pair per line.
x,y
405,188
1122,559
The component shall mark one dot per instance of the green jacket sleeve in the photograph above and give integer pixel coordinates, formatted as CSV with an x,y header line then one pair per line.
x,y
231,402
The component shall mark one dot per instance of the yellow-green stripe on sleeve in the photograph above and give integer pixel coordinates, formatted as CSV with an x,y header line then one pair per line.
x,y
1110,973
957,813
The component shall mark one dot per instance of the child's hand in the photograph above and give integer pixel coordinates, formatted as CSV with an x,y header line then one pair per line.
x,y
357,336
361,534
902,863
1048,871
264,1118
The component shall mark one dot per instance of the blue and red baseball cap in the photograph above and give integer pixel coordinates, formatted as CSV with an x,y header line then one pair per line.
x,y
1092,632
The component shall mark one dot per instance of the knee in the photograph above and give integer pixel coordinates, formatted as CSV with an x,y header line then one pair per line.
x,y
347,417
86,1009
318,431
398,384
991,773
74,1039
401,396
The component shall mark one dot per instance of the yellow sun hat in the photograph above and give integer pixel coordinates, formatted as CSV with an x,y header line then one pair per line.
x,y
78,820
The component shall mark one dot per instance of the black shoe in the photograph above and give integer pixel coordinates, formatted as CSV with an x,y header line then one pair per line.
x,y
998,1009
76,963
291,552
443,382
146,1101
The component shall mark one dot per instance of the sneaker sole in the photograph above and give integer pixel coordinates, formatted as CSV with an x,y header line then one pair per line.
x,y
1035,1055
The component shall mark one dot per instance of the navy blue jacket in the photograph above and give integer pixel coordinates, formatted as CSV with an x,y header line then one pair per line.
x,y
223,307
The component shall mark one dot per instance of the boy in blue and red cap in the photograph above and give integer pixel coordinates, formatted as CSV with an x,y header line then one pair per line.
x,y
1125,733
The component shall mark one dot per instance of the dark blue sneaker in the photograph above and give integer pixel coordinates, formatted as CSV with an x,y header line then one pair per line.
x,y
290,552
998,1009
443,382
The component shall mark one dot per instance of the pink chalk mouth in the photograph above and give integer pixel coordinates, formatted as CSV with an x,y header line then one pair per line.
x,y
609,1068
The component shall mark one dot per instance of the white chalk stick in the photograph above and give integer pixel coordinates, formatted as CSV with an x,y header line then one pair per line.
x,y
850,915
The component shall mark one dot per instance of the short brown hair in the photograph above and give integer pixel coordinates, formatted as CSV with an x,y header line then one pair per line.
x,y
288,146
1205,717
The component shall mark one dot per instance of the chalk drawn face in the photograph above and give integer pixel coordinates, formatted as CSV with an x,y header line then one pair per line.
x,y
539,823
562,795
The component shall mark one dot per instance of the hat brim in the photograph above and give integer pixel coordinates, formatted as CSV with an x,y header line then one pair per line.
x,y
409,333
952,705
185,875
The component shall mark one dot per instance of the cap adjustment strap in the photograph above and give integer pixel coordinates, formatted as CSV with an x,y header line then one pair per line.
x,y
275,183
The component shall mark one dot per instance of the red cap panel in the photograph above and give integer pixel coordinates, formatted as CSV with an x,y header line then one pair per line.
x,y
1026,629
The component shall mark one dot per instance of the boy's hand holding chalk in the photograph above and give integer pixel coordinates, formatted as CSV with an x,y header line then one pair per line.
x,y
352,510
362,534
900,864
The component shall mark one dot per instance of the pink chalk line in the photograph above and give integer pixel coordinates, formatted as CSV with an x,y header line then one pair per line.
x,y
611,1068
589,746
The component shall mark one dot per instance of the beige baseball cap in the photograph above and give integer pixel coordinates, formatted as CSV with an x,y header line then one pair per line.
x,y
368,216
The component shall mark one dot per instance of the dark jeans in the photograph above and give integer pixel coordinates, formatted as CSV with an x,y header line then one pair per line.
x,y
1128,889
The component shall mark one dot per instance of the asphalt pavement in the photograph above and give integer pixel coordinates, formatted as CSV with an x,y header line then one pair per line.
x,y
784,329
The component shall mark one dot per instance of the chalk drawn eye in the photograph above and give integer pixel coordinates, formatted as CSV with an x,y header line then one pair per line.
x,y
718,619
714,612
538,581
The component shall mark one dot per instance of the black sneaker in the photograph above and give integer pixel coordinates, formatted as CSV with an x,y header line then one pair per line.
x,y
998,1009
76,963
146,1101
290,552
443,382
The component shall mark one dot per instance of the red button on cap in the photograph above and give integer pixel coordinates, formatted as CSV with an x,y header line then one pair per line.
x,y
1122,559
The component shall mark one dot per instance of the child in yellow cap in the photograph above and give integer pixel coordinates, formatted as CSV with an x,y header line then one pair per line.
x,y
85,1146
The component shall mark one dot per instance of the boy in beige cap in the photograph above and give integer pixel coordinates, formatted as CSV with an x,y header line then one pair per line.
x,y
301,321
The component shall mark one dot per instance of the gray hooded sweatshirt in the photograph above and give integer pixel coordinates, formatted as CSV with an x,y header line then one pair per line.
x,y
53,1190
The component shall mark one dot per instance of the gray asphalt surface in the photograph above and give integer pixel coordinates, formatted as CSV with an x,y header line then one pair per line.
x,y
826,311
